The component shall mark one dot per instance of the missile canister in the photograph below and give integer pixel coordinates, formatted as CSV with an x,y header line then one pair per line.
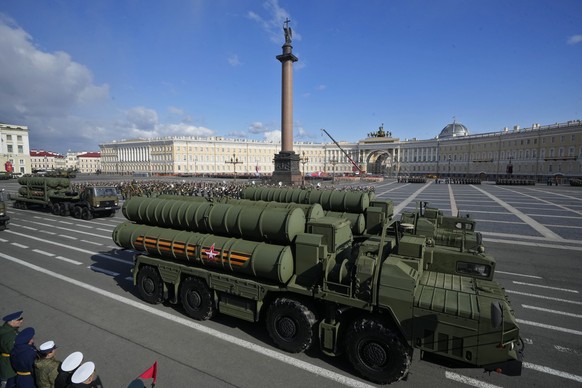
x,y
332,200
266,261
312,212
38,181
278,226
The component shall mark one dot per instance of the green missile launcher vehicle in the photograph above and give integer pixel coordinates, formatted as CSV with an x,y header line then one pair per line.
x,y
373,298
57,195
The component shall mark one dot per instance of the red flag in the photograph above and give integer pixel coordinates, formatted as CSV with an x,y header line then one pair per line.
x,y
151,373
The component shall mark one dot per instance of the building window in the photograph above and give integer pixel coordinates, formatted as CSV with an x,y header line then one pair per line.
x,y
20,149
9,148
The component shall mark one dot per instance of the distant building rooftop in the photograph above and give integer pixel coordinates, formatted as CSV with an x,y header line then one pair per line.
x,y
453,130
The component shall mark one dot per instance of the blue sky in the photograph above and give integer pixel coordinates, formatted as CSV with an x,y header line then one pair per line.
x,y
80,73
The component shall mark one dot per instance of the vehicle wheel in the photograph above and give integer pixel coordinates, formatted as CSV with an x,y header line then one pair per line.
x,y
86,214
56,209
197,299
63,211
112,214
290,325
377,352
149,285
2,226
76,212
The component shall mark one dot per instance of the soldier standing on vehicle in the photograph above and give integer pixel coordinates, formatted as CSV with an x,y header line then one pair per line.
x,y
22,358
8,333
46,367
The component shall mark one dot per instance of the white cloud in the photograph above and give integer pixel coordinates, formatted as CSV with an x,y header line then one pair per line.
x,y
38,83
274,136
44,90
234,61
575,39
257,127
141,122
272,23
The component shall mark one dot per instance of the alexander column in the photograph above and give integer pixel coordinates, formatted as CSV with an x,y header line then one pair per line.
x,y
286,161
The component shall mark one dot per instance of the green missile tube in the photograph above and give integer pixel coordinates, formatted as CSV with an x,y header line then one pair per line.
x,y
277,226
331,200
39,181
312,212
258,259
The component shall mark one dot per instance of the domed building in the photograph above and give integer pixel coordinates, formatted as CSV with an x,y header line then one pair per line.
x,y
453,130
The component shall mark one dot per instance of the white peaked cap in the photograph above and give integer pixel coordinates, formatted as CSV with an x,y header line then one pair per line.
x,y
83,373
72,361
47,346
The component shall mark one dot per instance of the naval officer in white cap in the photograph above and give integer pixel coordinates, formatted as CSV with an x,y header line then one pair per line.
x,y
68,366
84,376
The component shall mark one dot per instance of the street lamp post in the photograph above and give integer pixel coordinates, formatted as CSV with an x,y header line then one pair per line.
x,y
304,160
234,161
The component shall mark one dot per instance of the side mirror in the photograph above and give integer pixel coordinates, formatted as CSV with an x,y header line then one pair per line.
x,y
496,314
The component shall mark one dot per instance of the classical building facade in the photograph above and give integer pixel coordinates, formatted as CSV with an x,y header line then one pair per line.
x,y
14,148
534,153
88,162
210,156
46,160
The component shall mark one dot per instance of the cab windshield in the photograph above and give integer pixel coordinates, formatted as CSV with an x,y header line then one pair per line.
x,y
105,191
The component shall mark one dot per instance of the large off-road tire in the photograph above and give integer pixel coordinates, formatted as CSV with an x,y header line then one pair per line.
x,y
86,214
376,352
291,325
76,212
55,209
150,285
197,299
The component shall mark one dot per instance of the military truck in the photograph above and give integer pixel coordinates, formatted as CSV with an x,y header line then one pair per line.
x,y
4,217
58,195
374,298
454,231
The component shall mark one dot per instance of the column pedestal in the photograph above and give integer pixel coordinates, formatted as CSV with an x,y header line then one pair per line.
x,y
287,169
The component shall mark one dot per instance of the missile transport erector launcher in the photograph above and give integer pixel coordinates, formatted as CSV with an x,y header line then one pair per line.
x,y
373,297
57,195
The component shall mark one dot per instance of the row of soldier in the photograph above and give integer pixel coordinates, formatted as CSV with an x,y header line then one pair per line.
x,y
211,190
22,365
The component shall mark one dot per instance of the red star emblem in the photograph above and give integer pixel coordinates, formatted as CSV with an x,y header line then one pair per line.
x,y
211,254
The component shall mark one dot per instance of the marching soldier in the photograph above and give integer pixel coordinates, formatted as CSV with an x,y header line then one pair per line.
x,y
22,358
46,367
8,333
